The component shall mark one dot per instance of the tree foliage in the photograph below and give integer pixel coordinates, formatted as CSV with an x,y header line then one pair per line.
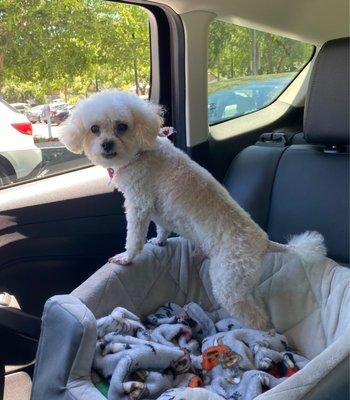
x,y
72,47
231,52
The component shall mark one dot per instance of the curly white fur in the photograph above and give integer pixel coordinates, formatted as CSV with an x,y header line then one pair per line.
x,y
309,246
162,184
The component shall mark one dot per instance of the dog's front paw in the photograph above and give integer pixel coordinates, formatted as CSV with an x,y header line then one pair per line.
x,y
157,242
122,259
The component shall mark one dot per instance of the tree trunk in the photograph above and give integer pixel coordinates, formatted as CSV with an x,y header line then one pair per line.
x,y
269,56
87,88
231,66
65,92
136,76
136,72
2,66
96,84
255,54
218,66
143,89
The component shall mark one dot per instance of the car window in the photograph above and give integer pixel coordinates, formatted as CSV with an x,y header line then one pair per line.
x,y
249,69
60,106
59,53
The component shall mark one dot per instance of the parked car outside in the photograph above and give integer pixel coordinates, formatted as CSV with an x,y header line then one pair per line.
x,y
19,157
35,113
20,107
58,113
244,98
58,101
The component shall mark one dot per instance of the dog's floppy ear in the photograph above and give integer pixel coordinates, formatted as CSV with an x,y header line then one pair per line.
x,y
71,134
148,120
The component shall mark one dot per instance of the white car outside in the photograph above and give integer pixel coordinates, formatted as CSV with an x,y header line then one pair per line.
x,y
19,157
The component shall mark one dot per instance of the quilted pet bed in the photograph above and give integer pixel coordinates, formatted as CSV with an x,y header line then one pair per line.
x,y
308,304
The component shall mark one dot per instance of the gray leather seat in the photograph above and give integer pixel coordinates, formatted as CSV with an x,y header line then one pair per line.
x,y
290,189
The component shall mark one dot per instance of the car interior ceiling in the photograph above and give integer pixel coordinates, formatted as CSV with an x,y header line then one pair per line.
x,y
55,232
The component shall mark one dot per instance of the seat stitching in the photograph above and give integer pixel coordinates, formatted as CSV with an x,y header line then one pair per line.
x,y
329,291
341,306
103,291
270,285
302,320
125,290
137,308
319,305
176,283
165,270
151,287
270,288
310,285
206,290
272,274
325,299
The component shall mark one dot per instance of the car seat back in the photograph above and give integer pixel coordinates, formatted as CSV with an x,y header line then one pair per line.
x,y
288,189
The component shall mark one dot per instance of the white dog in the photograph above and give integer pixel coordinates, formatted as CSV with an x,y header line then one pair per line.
x,y
119,131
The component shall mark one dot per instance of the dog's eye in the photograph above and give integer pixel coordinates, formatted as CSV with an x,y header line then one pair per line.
x,y
95,129
121,127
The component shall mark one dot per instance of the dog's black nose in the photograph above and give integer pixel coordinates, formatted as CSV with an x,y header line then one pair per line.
x,y
107,145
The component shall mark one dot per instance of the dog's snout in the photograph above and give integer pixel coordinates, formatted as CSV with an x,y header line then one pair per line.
x,y
107,145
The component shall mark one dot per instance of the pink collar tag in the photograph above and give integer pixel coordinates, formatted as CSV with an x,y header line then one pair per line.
x,y
167,131
110,173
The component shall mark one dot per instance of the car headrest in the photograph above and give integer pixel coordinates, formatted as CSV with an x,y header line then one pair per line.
x,y
326,119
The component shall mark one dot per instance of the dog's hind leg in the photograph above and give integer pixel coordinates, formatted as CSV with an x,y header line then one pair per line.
x,y
252,311
233,281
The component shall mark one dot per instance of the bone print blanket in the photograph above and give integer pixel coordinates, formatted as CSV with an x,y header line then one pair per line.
x,y
178,348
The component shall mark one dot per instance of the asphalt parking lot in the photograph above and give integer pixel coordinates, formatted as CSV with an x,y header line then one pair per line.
x,y
56,158
41,132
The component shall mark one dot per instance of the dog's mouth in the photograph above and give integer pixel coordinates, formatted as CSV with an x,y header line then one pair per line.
x,y
109,155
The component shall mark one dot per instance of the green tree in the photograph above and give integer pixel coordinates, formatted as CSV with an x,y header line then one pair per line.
x,y
236,51
72,46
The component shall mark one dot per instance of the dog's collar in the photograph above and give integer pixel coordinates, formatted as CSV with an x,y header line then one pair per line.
x,y
112,173
164,132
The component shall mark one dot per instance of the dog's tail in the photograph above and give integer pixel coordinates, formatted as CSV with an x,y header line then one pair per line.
x,y
309,246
